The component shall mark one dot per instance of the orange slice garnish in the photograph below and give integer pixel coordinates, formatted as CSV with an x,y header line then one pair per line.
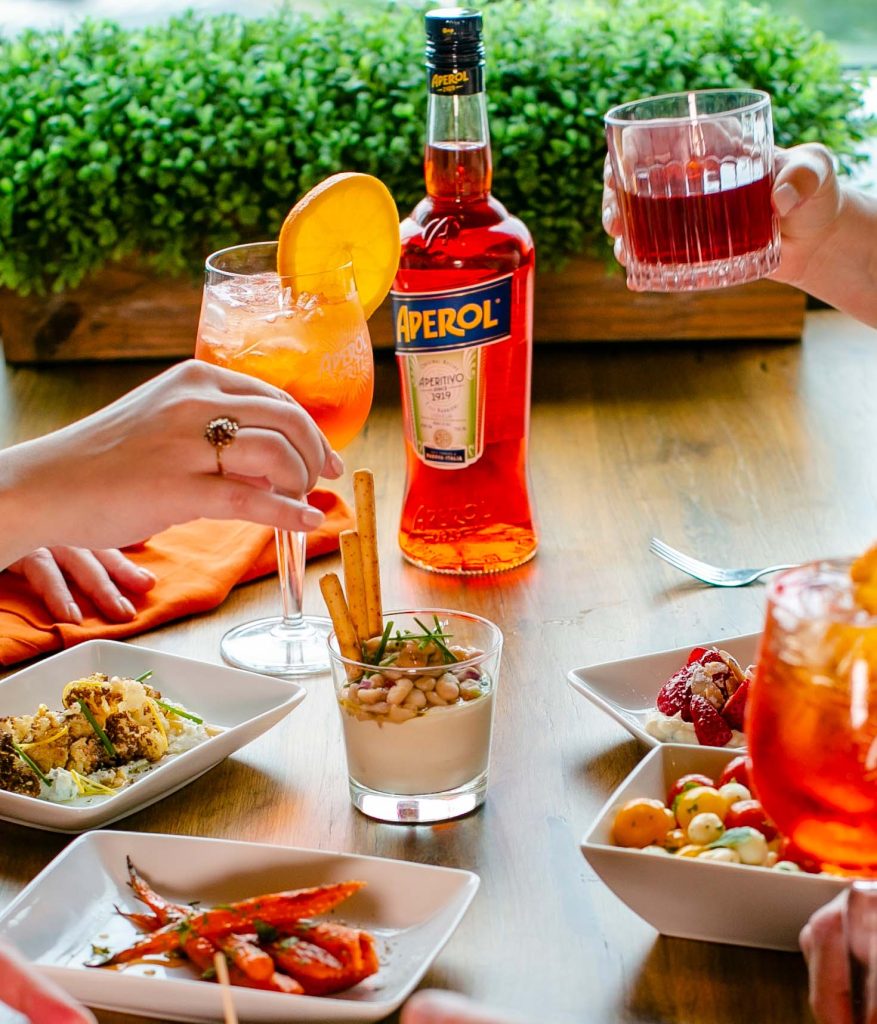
x,y
349,217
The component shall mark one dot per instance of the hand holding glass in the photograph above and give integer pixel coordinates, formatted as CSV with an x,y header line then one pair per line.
x,y
693,176
307,335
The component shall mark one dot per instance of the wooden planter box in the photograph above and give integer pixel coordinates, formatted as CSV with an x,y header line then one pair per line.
x,y
127,312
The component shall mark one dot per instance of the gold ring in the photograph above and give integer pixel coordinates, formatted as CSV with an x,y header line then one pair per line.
x,y
220,433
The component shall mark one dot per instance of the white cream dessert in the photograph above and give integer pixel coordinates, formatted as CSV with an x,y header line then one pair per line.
x,y
673,729
434,751
419,720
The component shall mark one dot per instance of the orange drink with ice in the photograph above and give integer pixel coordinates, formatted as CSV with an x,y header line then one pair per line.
x,y
311,342
293,313
812,713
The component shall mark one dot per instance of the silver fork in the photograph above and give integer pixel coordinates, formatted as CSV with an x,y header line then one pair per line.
x,y
714,575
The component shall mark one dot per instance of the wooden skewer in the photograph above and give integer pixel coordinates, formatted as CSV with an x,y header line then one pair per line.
x,y
219,962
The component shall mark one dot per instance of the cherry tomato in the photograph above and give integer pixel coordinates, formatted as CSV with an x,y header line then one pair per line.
x,y
642,822
736,770
791,851
686,782
751,813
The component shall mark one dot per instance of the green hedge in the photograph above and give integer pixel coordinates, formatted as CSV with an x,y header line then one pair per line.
x,y
175,140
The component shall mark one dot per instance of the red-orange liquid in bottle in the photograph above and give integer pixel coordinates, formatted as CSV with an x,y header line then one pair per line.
x,y
463,309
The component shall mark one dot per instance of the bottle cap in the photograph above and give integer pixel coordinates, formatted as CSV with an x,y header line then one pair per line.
x,y
453,38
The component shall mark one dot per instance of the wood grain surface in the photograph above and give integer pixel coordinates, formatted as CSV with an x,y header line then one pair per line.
x,y
742,454
126,311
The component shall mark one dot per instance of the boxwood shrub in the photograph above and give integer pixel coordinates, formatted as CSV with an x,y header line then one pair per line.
x,y
176,139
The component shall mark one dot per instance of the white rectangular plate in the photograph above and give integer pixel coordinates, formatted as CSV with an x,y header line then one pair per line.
x,y
242,704
411,909
694,899
627,689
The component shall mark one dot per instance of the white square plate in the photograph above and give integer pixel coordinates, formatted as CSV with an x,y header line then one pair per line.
x,y
411,909
735,904
627,689
242,704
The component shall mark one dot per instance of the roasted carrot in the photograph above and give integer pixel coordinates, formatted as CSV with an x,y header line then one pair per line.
x,y
317,971
144,922
352,946
279,909
163,909
351,949
252,961
276,983
199,950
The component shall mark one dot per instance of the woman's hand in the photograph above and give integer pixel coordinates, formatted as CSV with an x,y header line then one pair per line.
x,y
808,200
106,577
828,233
143,464
806,196
848,922
40,1000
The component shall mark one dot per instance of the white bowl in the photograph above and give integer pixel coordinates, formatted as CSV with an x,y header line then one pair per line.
x,y
627,689
242,704
737,904
411,909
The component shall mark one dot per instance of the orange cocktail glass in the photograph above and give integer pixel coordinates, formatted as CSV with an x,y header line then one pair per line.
x,y
812,716
306,334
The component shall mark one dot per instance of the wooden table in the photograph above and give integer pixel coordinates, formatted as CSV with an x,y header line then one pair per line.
x,y
743,454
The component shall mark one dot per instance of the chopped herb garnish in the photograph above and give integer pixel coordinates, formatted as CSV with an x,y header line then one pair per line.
x,y
266,932
209,974
143,676
99,950
733,837
179,711
34,767
101,735
382,646
438,638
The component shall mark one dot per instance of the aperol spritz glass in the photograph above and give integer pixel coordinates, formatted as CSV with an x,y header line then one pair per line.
x,y
307,335
812,717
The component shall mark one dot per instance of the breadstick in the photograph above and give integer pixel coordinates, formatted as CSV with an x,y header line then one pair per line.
x,y
354,584
367,528
333,595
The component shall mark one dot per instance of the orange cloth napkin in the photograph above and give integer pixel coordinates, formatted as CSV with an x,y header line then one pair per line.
x,y
195,565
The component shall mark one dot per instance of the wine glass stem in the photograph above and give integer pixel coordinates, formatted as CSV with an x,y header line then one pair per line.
x,y
291,567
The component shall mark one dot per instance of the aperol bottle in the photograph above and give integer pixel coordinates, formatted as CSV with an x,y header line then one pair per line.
x,y
463,317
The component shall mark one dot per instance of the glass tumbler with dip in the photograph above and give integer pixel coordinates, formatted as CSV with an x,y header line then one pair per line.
x,y
417,715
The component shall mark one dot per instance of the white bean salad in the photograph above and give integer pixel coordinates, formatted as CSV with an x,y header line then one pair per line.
x,y
413,673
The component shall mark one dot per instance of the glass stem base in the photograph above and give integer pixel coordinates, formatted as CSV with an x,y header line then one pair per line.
x,y
275,647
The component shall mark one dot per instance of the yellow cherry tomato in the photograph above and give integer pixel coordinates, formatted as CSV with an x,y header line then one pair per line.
x,y
699,800
642,822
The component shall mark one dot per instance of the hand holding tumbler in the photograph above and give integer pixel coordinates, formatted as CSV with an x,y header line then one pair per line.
x,y
693,176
